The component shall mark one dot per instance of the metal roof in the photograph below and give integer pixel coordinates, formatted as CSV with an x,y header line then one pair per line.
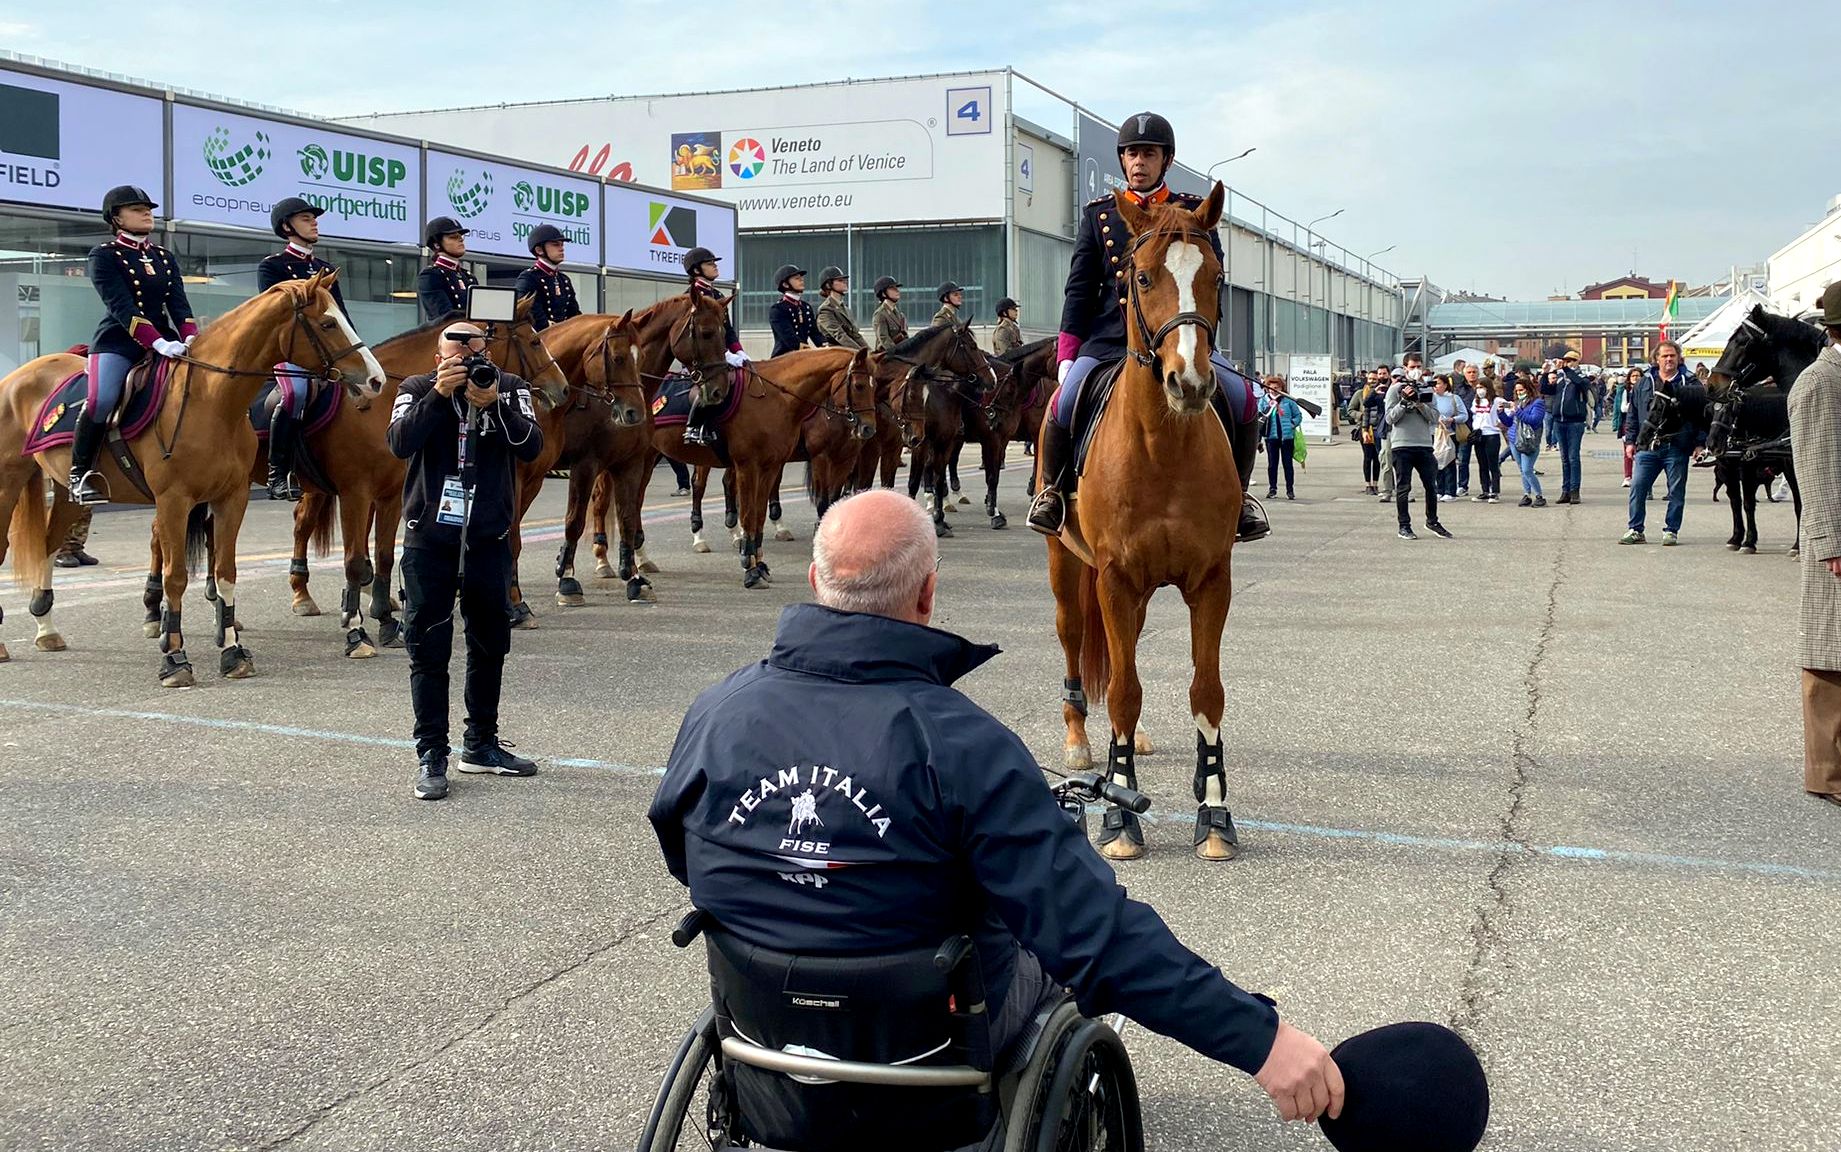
x,y
1503,317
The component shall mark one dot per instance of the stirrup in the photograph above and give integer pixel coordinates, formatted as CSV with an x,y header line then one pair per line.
x,y
1253,522
698,434
283,487
89,488
1048,511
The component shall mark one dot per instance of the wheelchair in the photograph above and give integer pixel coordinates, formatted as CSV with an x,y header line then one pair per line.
x,y
891,1053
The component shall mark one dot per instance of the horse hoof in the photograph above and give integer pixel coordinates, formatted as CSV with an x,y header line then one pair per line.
x,y
965,499
699,544
1123,849
304,606
1217,847
242,669
1794,553
1077,758
4,657
389,635
570,599
151,629
754,580
998,522
183,678
49,642
526,625
942,529
363,650
1141,743
604,570
645,563
640,592
735,535
1749,550
782,533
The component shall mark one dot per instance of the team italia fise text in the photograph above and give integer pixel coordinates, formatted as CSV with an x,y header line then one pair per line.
x,y
808,164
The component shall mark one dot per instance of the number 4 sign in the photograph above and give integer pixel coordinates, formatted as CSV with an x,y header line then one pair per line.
x,y
968,111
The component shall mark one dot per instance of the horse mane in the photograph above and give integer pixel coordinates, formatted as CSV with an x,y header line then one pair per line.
x,y
1791,330
1023,352
916,342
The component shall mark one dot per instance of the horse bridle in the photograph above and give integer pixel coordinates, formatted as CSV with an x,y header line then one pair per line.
x,y
1154,340
608,392
702,369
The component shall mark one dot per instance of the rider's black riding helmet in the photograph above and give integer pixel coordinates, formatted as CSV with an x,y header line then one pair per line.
x,y
947,289
697,257
784,273
543,234
1147,128
1005,305
442,226
884,283
123,196
287,209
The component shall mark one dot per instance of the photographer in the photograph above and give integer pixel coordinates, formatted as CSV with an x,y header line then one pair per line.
x,y
459,427
1412,418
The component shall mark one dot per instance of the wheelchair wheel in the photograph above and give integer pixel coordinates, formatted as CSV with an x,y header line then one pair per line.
x,y
1085,1098
691,1111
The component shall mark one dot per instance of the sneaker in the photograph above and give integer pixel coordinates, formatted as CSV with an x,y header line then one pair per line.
x,y
1495,499
1540,501
431,779
1439,530
1480,498
1272,493
1669,539
1527,501
1290,495
1632,537
1386,499
1446,498
1464,491
1566,497
682,492
1408,534
493,757
1626,482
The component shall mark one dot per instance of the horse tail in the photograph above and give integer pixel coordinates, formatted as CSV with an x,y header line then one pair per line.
x,y
30,524
319,529
198,538
1095,656
811,484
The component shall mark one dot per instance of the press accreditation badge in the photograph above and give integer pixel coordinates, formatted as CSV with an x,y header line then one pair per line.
x,y
453,509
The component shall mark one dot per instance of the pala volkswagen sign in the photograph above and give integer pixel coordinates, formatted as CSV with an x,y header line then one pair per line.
x,y
63,145
229,168
502,203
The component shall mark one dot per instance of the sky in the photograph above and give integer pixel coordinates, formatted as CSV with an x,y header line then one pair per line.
x,y
1515,149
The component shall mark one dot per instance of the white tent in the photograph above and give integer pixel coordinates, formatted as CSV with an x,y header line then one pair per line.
x,y
1475,356
1706,341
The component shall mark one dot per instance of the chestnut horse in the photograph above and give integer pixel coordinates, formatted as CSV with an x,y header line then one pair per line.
x,y
604,428
205,451
1158,504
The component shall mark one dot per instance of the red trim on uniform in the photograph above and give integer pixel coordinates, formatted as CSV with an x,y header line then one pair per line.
x,y
295,250
545,267
143,331
129,240
443,260
1156,195
790,297
188,328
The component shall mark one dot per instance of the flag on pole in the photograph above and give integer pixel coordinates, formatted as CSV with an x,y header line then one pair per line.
x,y
1671,307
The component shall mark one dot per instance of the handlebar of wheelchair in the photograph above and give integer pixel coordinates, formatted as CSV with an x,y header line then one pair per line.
x,y
689,928
1129,799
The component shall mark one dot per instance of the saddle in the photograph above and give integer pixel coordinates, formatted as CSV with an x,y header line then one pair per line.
x,y
56,423
323,403
1090,404
678,393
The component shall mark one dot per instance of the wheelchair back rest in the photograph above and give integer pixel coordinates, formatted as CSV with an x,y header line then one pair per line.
x,y
899,1009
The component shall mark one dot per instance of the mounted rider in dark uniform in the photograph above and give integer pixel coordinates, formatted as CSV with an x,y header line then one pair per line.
x,y
296,222
442,287
551,291
700,263
144,294
1093,322
795,325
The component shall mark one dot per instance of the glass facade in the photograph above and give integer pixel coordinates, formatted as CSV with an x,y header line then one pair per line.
x,y
920,258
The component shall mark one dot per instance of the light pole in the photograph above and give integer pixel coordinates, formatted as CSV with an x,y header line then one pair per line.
x,y
1321,219
1382,252
1229,160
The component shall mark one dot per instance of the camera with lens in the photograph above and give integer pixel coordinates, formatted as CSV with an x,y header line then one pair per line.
x,y
481,372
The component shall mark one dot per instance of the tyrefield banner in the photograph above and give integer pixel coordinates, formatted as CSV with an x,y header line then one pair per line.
x,y
650,231
231,169
501,203
63,145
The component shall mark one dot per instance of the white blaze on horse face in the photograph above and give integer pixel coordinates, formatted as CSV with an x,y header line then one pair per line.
x,y
374,374
1183,261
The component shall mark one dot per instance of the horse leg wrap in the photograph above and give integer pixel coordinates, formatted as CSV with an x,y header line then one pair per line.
x,y
173,663
636,586
1074,696
297,567
600,539
150,597
773,510
628,565
1121,768
730,519
366,572
568,586
565,559
1215,819
228,659
169,628
41,602
1207,767
762,563
225,618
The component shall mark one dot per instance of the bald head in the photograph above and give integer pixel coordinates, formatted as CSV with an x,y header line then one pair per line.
x,y
876,553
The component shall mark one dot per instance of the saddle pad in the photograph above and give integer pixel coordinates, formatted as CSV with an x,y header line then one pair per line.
x,y
1096,392
672,404
323,402
56,424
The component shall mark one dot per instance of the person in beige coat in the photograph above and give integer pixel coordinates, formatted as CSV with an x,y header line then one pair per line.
x,y
1815,442
834,318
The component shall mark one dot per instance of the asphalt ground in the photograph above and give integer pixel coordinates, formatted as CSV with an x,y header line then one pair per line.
x,y
1527,782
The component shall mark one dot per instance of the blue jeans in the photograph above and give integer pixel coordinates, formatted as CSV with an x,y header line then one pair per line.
x,y
108,372
1568,437
1643,472
1463,462
1530,483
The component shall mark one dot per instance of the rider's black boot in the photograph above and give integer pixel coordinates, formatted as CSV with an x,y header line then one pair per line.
x,y
283,444
86,484
697,427
1253,523
1053,461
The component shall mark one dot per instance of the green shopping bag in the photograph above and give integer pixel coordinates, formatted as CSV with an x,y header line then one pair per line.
x,y
1299,450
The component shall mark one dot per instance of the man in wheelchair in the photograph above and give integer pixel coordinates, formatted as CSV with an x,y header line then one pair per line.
x,y
839,809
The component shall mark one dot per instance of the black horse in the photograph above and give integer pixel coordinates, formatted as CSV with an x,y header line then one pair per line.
x,y
1749,423
934,401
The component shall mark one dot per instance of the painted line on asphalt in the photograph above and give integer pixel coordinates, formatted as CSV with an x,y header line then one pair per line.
x,y
1310,831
